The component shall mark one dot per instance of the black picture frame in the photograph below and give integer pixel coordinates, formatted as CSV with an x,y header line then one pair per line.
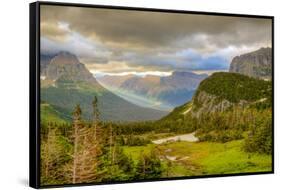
x,y
34,90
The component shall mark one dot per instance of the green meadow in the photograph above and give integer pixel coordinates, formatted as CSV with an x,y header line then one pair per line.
x,y
205,158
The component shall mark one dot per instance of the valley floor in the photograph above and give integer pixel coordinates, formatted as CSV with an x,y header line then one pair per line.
x,y
182,158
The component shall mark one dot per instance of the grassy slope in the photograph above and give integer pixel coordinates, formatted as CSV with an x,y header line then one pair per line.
x,y
178,112
49,113
112,107
206,158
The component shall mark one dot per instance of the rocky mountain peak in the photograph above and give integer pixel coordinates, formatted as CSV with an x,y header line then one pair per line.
x,y
256,64
63,58
65,66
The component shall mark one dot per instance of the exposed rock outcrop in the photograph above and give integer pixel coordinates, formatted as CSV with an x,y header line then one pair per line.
x,y
66,66
210,103
256,64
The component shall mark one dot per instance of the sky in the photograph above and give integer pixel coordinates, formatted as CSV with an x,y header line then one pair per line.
x,y
119,42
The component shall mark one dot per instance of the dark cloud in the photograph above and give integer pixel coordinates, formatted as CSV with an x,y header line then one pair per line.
x,y
154,29
151,38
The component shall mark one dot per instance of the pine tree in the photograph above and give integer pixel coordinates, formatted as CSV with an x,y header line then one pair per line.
x,y
76,125
96,121
149,166
84,167
112,146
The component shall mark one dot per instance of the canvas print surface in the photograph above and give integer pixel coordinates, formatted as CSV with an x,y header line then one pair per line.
x,y
136,95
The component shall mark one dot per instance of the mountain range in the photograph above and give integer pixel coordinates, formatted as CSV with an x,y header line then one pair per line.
x,y
67,82
171,91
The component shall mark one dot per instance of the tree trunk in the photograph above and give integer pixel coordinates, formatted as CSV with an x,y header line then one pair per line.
x,y
75,153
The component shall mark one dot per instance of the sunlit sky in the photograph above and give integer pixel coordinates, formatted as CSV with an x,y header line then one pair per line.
x,y
119,42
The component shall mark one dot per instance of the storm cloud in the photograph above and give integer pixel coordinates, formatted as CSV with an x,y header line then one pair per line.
x,y
152,40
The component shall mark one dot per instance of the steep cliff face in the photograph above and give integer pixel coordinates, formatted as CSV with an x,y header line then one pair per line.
x,y
256,64
209,103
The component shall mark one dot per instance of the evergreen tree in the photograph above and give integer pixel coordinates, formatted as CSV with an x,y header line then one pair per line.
x,y
96,121
54,150
86,151
149,166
